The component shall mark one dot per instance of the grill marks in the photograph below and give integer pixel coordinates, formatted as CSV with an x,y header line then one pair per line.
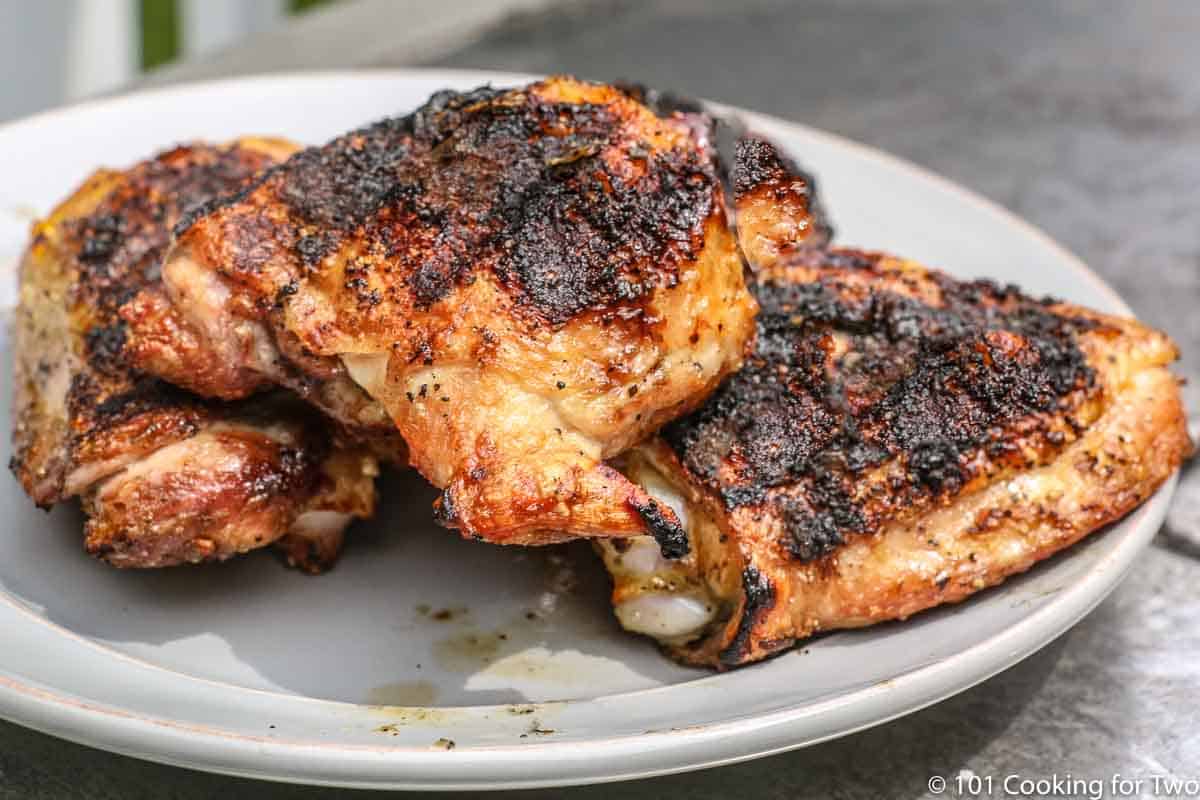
x,y
117,250
873,389
164,477
561,198
759,599
80,401
340,186
598,239
671,537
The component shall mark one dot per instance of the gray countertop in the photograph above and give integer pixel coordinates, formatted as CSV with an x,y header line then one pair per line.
x,y
1083,117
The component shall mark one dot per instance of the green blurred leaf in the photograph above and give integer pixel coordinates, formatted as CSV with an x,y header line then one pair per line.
x,y
160,32
300,6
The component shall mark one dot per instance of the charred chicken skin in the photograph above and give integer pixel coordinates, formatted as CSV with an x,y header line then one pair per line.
x,y
777,207
529,281
898,440
165,477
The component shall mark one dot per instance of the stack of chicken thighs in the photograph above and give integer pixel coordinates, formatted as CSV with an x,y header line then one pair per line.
x,y
569,314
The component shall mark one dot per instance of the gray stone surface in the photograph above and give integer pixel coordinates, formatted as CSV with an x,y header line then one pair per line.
x,y
1083,117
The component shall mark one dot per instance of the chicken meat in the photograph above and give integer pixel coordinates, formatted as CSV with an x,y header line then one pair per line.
x,y
529,281
898,440
778,210
165,477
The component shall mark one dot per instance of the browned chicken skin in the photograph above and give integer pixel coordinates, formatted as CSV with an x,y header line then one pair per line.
x,y
777,207
898,440
165,477
529,281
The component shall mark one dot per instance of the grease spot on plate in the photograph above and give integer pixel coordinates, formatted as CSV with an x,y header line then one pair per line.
x,y
452,614
468,651
537,729
405,715
403,693
532,668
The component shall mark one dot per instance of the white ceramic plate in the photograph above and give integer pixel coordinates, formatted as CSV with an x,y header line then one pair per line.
x,y
351,678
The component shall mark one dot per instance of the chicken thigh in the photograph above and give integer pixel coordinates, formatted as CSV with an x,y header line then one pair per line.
x,y
898,440
165,477
529,281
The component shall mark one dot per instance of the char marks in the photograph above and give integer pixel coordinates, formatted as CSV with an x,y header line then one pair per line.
x,y
559,199
117,250
672,539
79,400
759,597
164,477
873,389
760,171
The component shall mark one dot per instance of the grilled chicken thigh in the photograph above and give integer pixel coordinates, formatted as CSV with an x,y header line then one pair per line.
x,y
899,439
777,207
530,281
165,477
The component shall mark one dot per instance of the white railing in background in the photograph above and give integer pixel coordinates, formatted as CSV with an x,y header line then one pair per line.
x,y
59,51
100,48
211,25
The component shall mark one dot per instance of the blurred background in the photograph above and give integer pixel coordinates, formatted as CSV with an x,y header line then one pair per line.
x,y
66,50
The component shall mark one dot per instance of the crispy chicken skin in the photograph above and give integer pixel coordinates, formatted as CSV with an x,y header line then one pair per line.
x,y
776,201
164,477
164,344
528,280
268,474
898,440
777,207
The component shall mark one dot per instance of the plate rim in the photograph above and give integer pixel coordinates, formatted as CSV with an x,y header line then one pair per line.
x,y
200,747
